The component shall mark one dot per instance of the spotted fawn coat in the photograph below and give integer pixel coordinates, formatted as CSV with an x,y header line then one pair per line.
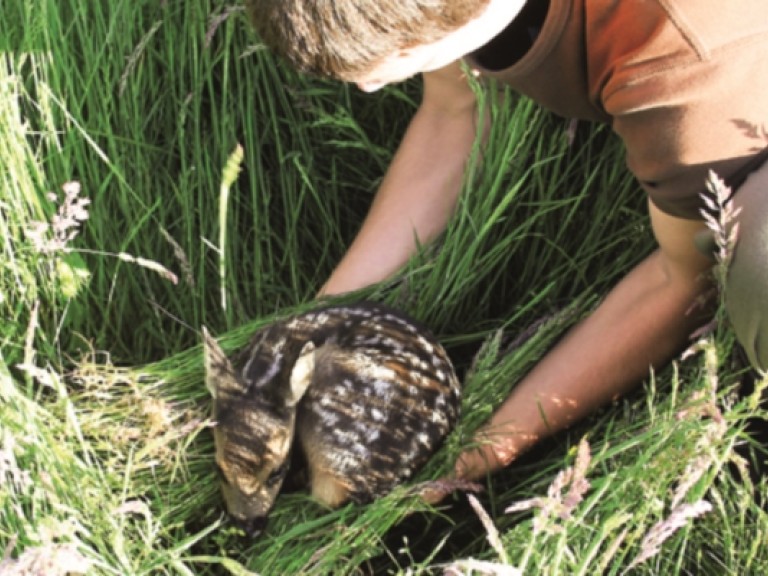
x,y
365,392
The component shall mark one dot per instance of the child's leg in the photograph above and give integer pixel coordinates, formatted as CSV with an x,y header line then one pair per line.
x,y
746,291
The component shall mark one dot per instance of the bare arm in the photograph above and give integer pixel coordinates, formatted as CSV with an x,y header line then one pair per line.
x,y
643,322
419,191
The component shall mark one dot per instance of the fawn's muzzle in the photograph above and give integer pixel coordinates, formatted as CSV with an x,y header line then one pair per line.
x,y
253,527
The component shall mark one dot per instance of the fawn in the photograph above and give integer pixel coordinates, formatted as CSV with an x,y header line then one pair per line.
x,y
367,393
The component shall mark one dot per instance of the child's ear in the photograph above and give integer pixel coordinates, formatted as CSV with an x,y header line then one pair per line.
x,y
219,373
301,375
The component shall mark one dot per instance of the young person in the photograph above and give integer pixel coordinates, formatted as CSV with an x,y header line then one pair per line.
x,y
683,84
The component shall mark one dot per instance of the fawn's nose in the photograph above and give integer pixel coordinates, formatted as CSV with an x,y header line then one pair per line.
x,y
253,527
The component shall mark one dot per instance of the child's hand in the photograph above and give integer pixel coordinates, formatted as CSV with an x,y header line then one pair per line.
x,y
481,460
434,492
473,464
493,448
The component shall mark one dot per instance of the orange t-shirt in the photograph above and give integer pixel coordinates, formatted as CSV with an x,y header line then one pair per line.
x,y
684,83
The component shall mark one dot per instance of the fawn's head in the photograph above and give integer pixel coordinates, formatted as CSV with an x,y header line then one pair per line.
x,y
254,408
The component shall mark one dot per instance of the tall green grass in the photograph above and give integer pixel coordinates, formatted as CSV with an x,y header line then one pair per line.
x,y
106,453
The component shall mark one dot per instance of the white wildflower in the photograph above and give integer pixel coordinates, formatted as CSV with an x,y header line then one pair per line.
x,y
64,225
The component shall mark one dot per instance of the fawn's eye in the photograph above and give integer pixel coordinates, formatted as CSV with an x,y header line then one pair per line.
x,y
277,474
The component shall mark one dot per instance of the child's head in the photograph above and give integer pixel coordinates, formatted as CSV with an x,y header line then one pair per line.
x,y
346,38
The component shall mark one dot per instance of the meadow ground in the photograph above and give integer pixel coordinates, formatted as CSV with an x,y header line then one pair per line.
x,y
122,233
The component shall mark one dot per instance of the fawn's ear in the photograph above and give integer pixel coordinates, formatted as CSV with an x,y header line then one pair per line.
x,y
301,375
219,373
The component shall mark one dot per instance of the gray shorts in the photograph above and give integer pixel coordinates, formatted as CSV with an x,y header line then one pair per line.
x,y
746,289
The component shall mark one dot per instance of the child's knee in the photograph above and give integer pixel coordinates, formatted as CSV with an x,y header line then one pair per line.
x,y
746,290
